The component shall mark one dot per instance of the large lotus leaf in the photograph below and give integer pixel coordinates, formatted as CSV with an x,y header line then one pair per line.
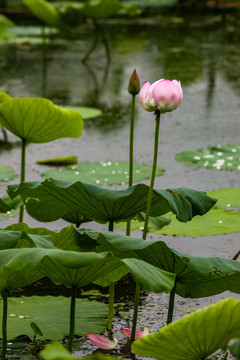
x,y
10,239
102,173
53,199
44,11
38,120
4,97
18,267
195,276
69,238
84,111
51,315
70,268
7,173
225,157
194,336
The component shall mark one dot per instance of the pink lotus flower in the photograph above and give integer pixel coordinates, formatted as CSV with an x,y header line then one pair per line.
x,y
138,334
102,342
163,95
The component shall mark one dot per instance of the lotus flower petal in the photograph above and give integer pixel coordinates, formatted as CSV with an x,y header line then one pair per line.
x,y
102,342
138,334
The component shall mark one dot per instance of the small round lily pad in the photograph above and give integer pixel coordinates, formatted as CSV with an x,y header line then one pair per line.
x,y
102,173
7,173
220,157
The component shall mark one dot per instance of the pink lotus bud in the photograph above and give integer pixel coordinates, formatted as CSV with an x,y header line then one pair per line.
x,y
138,334
163,95
102,342
134,84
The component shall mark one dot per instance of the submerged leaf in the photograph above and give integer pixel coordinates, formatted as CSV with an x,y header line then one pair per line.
x,y
194,336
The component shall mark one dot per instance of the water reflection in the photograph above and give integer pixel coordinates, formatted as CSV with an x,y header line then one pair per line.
x,y
186,49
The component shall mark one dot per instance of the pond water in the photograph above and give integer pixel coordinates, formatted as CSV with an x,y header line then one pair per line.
x,y
203,53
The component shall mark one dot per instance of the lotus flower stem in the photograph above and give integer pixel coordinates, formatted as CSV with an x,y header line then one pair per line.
x,y
130,180
72,318
4,325
23,163
154,167
149,202
171,304
111,291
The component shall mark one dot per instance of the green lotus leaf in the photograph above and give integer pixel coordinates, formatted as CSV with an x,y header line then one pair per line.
x,y
44,11
194,336
9,208
10,239
221,219
38,120
98,9
102,173
7,173
4,97
56,351
84,111
18,268
53,199
195,276
65,160
221,157
235,348
70,268
51,315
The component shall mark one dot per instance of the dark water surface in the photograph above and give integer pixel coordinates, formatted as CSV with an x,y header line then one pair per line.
x,y
203,53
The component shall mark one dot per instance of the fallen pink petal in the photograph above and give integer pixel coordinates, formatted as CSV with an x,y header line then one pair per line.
x,y
138,334
102,342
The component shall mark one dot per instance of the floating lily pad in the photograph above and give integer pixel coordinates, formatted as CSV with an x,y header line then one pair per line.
x,y
7,173
51,315
65,160
220,157
9,208
86,112
222,219
102,173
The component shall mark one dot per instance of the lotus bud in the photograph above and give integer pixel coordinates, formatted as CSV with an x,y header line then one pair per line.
x,y
138,334
102,342
163,95
134,84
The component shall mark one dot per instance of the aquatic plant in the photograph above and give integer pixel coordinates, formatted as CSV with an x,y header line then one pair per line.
x,y
37,120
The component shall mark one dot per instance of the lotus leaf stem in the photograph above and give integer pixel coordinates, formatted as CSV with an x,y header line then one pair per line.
x,y
111,290
23,164
4,325
171,304
72,318
111,306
